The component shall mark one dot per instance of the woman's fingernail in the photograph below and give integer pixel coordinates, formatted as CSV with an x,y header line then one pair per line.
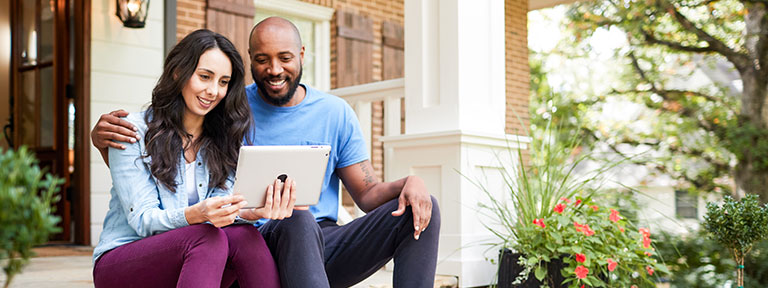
x,y
416,237
417,228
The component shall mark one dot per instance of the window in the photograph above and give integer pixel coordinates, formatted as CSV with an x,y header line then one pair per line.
x,y
314,26
686,205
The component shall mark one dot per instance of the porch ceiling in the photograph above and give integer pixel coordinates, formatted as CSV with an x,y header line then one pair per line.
x,y
540,4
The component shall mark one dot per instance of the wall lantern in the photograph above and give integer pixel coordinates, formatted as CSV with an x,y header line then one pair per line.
x,y
133,13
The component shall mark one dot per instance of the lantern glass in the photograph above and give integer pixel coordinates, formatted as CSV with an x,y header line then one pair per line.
x,y
133,13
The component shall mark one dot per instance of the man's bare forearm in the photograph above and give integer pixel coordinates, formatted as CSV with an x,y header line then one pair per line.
x,y
379,193
104,155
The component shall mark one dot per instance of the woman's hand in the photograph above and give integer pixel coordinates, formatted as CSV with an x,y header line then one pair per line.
x,y
219,211
279,203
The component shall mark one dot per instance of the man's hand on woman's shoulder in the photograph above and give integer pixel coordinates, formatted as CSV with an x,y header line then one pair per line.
x,y
110,128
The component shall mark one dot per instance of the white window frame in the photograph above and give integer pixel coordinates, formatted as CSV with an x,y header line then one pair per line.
x,y
322,16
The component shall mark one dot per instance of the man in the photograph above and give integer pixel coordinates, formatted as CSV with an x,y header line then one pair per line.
x,y
403,220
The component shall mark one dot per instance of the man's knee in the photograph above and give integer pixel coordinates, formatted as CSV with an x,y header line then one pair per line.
x,y
302,224
435,210
435,220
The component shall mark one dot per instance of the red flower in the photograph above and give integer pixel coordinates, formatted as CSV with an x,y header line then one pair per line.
x,y
646,237
589,231
577,202
648,254
539,222
649,269
583,229
566,200
612,265
614,216
594,207
581,258
621,229
581,272
559,208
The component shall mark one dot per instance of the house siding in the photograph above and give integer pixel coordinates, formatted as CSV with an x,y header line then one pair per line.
x,y
125,65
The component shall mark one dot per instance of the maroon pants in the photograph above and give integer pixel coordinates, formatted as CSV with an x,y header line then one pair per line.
x,y
194,256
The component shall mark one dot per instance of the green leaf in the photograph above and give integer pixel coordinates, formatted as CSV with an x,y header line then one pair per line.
x,y
540,272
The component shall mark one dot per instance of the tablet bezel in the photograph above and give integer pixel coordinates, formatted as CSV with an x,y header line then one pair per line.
x,y
259,166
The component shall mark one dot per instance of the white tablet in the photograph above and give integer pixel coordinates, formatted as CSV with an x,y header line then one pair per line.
x,y
259,166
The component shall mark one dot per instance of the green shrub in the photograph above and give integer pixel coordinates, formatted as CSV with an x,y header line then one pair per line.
x,y
26,195
738,225
697,261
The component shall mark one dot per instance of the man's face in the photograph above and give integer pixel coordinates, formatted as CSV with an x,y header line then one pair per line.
x,y
276,65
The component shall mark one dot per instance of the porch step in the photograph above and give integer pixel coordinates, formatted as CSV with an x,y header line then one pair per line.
x,y
74,271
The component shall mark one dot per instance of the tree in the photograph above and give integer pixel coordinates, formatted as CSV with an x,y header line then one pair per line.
x,y
705,135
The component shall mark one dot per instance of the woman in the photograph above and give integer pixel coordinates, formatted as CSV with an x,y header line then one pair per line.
x,y
171,191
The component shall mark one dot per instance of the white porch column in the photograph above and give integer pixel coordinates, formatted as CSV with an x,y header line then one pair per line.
x,y
455,111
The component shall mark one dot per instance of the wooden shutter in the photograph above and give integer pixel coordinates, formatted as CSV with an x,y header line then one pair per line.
x,y
393,58
354,49
234,20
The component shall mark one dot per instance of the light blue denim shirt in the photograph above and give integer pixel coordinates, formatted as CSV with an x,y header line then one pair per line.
x,y
140,206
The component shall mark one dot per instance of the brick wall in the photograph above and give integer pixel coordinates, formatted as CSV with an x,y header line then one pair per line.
x,y
190,16
518,71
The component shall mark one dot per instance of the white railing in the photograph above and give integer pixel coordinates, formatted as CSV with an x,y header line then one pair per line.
x,y
360,98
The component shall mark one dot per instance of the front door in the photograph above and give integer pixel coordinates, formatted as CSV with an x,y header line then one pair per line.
x,y
43,100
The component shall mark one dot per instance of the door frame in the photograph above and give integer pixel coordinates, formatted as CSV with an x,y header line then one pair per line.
x,y
79,180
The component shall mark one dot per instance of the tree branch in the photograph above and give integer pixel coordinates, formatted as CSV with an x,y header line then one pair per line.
x,y
701,183
739,60
676,46
666,96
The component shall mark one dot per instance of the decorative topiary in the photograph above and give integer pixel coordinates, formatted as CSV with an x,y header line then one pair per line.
x,y
26,195
738,225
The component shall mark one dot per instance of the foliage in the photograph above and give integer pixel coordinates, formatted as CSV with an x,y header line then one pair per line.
x,y
547,211
705,134
593,239
737,225
698,261
26,196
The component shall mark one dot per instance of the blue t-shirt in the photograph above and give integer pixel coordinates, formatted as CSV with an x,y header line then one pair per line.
x,y
320,119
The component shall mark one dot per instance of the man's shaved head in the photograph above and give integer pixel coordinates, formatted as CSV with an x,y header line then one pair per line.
x,y
275,26
277,57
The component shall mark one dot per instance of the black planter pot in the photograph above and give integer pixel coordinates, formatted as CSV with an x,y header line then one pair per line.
x,y
509,270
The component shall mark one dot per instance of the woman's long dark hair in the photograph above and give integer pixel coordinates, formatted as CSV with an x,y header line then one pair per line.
x,y
224,127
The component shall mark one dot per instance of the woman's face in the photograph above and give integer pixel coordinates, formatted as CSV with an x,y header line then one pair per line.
x,y
208,84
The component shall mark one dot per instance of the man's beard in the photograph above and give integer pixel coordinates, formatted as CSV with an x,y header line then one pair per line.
x,y
279,100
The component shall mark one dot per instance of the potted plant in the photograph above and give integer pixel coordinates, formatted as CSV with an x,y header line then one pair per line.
x,y
26,195
559,234
738,225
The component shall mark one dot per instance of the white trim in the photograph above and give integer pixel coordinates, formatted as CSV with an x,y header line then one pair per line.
x,y
321,16
541,4
457,136
296,8
374,91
